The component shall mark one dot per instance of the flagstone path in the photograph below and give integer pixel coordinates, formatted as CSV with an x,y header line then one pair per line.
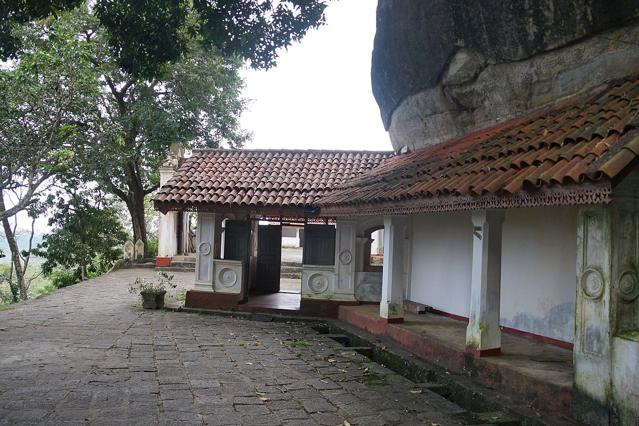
x,y
88,354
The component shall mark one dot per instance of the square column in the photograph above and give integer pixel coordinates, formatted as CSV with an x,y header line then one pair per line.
x,y
391,307
606,351
345,259
207,248
167,234
483,335
168,222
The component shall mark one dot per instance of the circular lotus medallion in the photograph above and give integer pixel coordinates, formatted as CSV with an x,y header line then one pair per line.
x,y
628,286
345,257
318,283
227,277
204,248
592,283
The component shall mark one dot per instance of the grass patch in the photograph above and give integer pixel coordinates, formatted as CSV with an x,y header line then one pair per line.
x,y
39,286
372,378
181,295
298,342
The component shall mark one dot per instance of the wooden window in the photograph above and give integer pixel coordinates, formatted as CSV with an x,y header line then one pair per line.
x,y
319,245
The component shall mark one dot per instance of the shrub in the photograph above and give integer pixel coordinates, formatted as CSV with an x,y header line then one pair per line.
x,y
63,278
163,283
152,248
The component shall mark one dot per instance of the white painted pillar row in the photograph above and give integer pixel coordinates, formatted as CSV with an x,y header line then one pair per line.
x,y
391,307
483,335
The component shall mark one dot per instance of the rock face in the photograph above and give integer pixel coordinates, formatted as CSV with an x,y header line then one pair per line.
x,y
444,68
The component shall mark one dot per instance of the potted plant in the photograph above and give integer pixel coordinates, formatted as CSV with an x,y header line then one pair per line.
x,y
153,292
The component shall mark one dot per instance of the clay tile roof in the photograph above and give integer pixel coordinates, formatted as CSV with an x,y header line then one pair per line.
x,y
569,153
283,178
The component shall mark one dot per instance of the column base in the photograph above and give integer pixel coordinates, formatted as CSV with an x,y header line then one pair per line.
x,y
483,353
323,307
211,300
392,320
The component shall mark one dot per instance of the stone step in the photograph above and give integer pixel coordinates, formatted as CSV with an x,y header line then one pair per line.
x,y
291,275
182,258
174,269
293,264
183,264
290,269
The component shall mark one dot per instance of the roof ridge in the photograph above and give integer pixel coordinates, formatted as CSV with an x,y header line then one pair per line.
x,y
287,150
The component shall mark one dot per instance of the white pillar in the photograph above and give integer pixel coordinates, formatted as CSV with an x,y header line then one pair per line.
x,y
207,247
391,307
483,335
168,222
345,253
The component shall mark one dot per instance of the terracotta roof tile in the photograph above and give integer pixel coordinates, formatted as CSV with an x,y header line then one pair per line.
x,y
580,141
283,178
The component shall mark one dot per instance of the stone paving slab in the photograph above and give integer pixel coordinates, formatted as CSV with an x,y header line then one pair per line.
x,y
88,354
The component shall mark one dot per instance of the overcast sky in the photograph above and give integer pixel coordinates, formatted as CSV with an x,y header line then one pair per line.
x,y
319,95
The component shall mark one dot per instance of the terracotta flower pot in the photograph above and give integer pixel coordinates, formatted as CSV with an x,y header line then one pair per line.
x,y
153,300
163,261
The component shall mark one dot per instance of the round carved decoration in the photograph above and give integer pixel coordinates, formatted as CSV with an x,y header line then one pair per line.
x,y
227,277
628,286
346,257
204,248
318,283
592,283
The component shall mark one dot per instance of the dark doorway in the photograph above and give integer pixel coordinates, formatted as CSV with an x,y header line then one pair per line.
x,y
180,233
319,245
237,235
269,258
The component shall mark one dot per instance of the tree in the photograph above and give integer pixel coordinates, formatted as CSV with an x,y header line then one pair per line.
x,y
144,35
44,100
130,123
20,258
87,235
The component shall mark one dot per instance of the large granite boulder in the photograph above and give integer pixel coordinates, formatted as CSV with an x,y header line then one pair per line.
x,y
444,68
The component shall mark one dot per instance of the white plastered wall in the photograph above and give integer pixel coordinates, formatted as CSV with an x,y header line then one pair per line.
x,y
539,260
442,249
538,267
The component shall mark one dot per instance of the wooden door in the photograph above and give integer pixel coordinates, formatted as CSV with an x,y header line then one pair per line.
x,y
319,245
269,258
237,234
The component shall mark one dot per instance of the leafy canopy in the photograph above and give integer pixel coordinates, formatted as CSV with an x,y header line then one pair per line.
x,y
145,34
87,235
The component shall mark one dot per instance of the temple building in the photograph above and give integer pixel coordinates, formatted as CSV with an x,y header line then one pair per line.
x,y
528,227
508,208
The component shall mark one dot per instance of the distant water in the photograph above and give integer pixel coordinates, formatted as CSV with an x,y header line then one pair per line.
x,y
23,243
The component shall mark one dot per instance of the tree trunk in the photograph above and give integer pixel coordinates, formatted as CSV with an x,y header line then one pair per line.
x,y
135,205
15,258
15,255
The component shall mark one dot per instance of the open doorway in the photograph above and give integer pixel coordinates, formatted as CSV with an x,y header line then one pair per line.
x,y
291,259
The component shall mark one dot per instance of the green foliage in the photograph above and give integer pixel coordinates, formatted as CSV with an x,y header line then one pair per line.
x,y
5,295
152,246
60,278
145,35
47,288
162,284
87,237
